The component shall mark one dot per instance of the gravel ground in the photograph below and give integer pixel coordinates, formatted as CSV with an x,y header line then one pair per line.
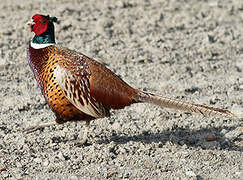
x,y
190,50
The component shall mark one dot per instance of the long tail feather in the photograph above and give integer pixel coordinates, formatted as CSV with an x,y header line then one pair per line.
x,y
181,105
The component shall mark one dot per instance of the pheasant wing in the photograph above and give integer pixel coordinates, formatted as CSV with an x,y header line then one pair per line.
x,y
72,74
108,88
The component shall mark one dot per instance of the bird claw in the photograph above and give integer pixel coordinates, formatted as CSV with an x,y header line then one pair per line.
x,y
85,136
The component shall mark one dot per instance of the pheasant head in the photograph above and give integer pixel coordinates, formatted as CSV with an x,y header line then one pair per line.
x,y
43,28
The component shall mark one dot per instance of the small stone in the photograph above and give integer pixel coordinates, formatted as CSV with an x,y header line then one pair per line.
x,y
240,143
46,163
190,173
210,137
223,131
5,175
239,65
241,87
240,80
60,156
234,133
122,150
37,160
18,164
3,169
116,126
73,177
237,110
240,174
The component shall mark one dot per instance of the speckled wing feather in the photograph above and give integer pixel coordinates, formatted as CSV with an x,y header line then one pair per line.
x,y
101,85
72,74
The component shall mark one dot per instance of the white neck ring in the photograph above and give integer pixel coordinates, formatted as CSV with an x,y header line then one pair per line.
x,y
40,46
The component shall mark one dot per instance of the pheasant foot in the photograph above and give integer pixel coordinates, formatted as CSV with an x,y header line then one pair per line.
x,y
35,128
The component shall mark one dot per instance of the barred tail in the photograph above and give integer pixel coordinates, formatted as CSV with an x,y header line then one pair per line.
x,y
181,105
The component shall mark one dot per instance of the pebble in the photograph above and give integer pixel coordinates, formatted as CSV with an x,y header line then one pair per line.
x,y
60,156
240,174
37,160
190,173
210,137
46,163
116,126
73,177
240,65
240,80
234,133
237,110
3,169
240,143
241,87
18,164
223,131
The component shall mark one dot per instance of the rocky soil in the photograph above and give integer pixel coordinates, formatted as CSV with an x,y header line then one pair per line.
x,y
190,50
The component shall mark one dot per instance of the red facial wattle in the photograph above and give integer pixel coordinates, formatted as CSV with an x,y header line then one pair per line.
x,y
41,24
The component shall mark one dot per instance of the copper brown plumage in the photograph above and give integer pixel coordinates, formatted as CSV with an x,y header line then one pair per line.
x,y
44,62
78,88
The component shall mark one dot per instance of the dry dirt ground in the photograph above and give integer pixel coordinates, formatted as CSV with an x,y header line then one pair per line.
x,y
190,50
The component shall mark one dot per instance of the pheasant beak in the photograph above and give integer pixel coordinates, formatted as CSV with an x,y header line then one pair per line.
x,y
30,24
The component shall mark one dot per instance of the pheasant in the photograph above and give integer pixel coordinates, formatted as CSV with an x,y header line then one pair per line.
x,y
78,88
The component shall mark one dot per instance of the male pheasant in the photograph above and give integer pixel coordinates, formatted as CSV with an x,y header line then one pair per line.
x,y
78,88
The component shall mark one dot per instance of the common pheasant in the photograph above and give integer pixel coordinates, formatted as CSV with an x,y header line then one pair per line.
x,y
78,88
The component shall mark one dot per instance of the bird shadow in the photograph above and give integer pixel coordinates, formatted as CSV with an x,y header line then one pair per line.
x,y
205,138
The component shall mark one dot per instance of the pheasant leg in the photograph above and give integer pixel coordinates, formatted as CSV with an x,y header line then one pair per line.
x,y
35,128
85,135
